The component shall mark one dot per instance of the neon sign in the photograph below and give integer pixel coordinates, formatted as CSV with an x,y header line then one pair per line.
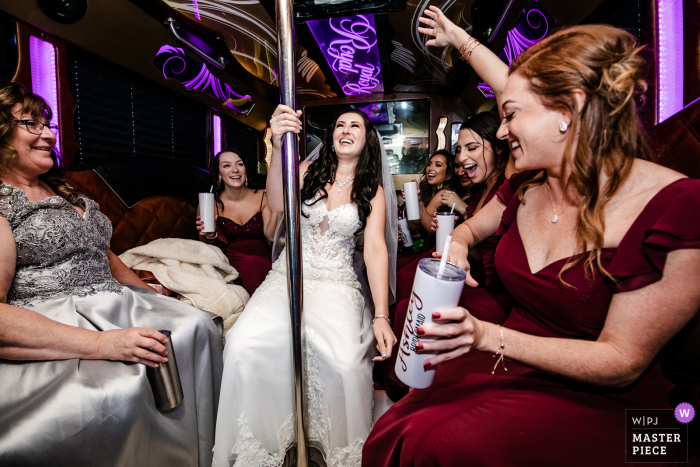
x,y
175,64
532,27
350,47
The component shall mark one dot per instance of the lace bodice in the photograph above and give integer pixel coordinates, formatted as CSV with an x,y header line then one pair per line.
x,y
59,252
328,242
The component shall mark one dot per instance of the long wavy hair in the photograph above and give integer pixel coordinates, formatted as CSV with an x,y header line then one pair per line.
x,y
12,94
484,126
451,182
251,170
605,135
368,170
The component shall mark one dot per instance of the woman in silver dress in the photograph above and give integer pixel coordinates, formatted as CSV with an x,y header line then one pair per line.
x,y
77,329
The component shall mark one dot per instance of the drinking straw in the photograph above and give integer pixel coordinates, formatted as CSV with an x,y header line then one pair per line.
x,y
452,211
445,251
211,189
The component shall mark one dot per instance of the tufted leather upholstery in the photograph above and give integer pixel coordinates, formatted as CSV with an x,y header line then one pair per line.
x,y
150,219
677,141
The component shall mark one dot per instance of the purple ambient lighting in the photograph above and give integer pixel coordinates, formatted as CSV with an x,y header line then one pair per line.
x,y
376,112
217,134
42,56
195,9
194,75
350,47
670,58
532,27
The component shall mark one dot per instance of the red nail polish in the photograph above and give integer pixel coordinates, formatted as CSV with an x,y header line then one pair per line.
x,y
427,365
436,315
419,346
420,330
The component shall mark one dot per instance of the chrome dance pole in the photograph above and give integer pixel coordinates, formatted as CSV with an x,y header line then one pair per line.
x,y
286,46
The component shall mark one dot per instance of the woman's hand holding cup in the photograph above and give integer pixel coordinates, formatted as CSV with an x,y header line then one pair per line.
x,y
455,331
435,224
200,227
284,120
458,256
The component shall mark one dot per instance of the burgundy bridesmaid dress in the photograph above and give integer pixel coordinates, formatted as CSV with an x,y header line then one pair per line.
x,y
246,249
525,416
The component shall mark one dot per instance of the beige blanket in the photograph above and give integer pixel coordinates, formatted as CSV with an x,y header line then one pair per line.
x,y
197,271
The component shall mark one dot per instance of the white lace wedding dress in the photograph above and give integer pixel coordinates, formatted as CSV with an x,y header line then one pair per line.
x,y
254,423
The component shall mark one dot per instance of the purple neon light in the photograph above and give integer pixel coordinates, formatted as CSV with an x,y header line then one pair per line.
x,y
532,27
350,47
217,134
42,55
195,8
670,58
173,63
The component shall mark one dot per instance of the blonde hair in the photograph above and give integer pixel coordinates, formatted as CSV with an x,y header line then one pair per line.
x,y
605,134
12,94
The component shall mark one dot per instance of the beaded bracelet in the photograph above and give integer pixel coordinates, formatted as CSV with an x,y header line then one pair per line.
x,y
500,353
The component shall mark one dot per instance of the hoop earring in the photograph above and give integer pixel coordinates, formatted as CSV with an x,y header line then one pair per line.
x,y
563,127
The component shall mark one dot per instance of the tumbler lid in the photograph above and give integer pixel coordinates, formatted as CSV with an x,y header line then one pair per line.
x,y
451,273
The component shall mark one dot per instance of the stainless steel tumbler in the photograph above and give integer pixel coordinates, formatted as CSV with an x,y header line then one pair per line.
x,y
165,380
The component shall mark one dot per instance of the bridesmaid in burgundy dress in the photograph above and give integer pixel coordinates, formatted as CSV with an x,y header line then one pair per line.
x,y
596,247
484,161
439,177
245,223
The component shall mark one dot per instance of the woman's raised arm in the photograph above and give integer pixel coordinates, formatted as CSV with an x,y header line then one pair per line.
x,y
283,120
485,63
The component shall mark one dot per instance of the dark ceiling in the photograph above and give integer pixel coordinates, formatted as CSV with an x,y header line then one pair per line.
x,y
130,33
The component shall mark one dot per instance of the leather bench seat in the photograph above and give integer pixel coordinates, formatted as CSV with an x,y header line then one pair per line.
x,y
150,219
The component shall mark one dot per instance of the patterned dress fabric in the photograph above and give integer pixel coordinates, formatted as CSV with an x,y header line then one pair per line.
x,y
96,412
254,424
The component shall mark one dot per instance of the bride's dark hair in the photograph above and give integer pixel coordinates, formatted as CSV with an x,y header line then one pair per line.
x,y
367,171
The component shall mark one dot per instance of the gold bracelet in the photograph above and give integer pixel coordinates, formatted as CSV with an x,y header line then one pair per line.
x,y
500,353
470,44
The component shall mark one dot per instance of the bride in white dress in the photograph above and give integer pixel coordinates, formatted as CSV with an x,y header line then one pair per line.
x,y
341,197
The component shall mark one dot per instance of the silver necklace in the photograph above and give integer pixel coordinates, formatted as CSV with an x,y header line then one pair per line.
x,y
555,218
341,185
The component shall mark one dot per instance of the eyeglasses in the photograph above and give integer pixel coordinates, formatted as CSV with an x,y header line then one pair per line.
x,y
36,128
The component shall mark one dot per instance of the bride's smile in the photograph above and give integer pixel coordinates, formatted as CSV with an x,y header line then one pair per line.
x,y
349,135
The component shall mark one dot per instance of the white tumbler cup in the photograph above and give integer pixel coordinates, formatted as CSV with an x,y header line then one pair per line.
x,y
405,233
446,224
410,192
207,211
431,291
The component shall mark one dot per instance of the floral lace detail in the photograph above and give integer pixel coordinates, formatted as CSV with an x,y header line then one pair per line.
x,y
328,243
248,451
59,252
349,456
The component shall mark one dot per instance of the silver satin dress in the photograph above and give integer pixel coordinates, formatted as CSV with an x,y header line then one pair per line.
x,y
97,412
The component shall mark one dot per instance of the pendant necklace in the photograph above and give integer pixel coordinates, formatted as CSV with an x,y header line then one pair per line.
x,y
341,185
554,218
